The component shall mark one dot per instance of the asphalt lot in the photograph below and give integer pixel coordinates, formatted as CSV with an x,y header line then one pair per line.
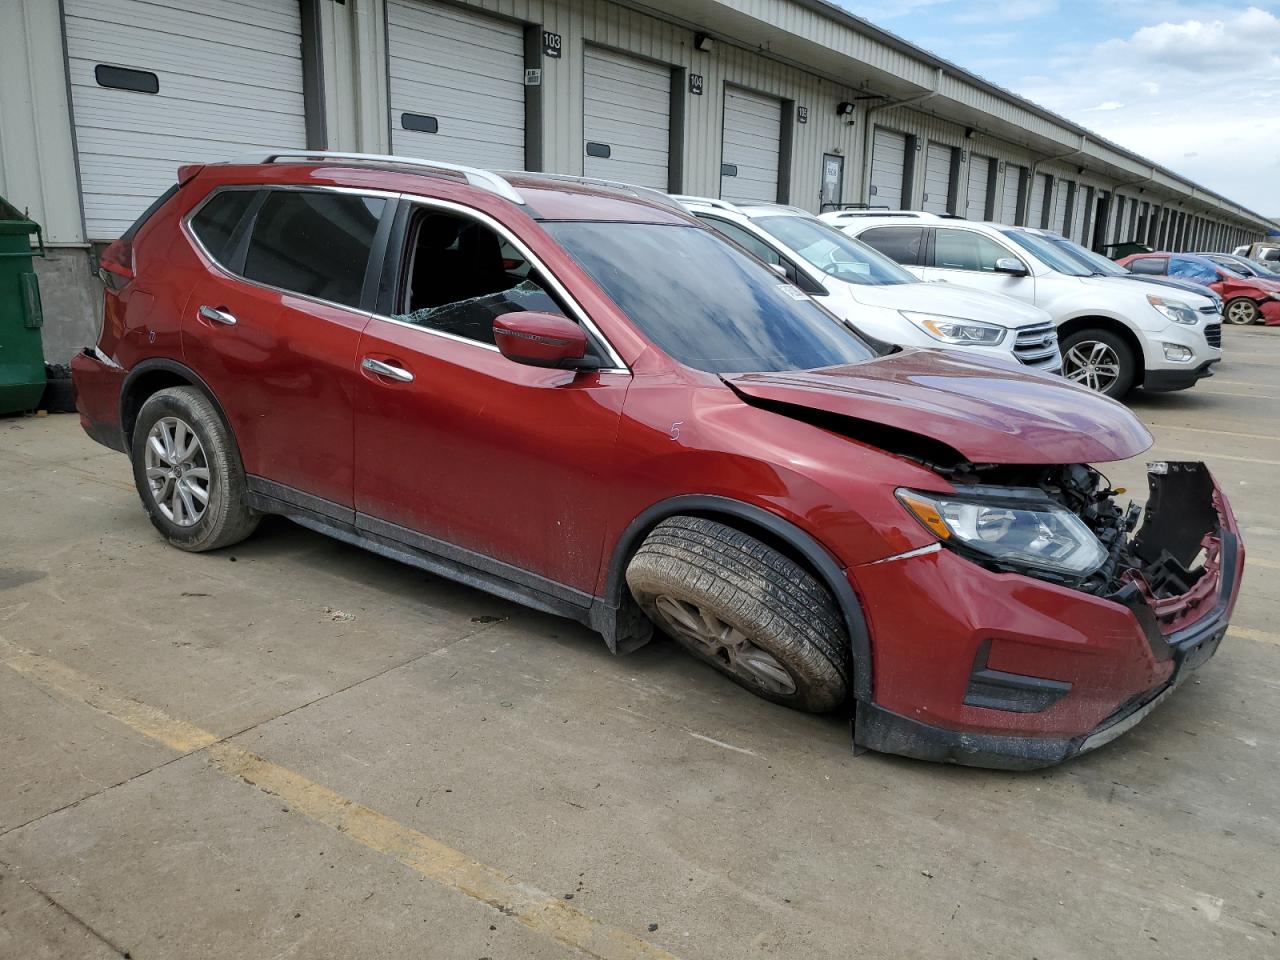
x,y
297,749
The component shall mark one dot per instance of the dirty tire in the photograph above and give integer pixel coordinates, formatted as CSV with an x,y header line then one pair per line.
x,y
226,517
1241,311
747,599
1111,350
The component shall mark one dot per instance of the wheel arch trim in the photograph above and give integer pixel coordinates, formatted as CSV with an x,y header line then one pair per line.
x,y
162,364
819,558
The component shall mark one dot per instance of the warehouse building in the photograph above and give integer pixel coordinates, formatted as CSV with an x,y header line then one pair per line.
x,y
755,100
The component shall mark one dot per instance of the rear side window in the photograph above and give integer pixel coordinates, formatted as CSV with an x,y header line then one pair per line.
x,y
1152,265
217,220
314,243
903,244
966,250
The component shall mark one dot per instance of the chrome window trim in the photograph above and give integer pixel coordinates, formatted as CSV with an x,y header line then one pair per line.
x,y
575,308
191,235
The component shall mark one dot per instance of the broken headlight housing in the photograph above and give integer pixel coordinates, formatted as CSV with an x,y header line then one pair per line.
x,y
1010,529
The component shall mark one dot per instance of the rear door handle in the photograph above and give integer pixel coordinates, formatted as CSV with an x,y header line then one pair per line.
x,y
387,370
217,316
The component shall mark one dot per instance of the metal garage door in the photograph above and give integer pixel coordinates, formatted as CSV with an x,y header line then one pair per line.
x,y
752,143
937,178
1009,202
1078,218
626,118
1060,207
457,85
159,83
888,167
1035,212
979,183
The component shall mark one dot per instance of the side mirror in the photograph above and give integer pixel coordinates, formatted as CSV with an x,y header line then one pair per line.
x,y
540,339
1012,266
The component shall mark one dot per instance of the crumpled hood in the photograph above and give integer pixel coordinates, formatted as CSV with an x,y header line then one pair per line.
x,y
949,300
988,410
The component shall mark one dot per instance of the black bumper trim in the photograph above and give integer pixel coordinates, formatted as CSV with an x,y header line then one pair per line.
x,y
1165,381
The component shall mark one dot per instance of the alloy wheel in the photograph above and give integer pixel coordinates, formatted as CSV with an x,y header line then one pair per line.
x,y
704,632
177,471
1241,312
1093,364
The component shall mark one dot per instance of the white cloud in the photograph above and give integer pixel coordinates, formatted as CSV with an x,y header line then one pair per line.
x,y
1199,95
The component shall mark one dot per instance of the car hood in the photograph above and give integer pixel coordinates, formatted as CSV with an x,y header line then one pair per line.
x,y
987,410
1174,283
949,300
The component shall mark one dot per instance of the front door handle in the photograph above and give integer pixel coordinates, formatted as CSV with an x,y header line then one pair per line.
x,y
387,370
217,316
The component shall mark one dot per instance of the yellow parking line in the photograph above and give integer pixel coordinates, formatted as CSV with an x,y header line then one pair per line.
x,y
541,912
1248,633
1201,454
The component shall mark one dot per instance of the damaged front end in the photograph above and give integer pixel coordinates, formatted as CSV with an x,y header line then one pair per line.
x,y
1064,524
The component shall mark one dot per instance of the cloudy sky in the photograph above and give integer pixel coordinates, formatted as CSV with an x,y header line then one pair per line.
x,y
1193,85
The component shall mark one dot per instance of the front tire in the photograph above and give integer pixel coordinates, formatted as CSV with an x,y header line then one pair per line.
x,y
188,472
1100,360
744,608
1241,311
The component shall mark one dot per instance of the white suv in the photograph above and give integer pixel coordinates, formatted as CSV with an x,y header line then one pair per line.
x,y
1115,334
875,295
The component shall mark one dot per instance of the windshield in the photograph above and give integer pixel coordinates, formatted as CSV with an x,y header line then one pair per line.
x,y
1053,256
1096,262
834,253
705,302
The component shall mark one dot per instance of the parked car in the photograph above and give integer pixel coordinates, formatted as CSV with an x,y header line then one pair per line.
x,y
1196,294
1265,251
1248,299
1114,334
1245,266
580,398
875,295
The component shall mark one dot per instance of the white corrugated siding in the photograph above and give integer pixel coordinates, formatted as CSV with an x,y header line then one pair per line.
x,y
937,178
978,185
230,84
752,131
888,162
465,70
627,105
1078,224
1035,212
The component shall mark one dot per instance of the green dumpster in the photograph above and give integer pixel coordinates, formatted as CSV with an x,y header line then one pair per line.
x,y
21,352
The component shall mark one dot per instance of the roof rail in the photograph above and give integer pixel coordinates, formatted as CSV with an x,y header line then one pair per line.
x,y
484,179
706,201
647,193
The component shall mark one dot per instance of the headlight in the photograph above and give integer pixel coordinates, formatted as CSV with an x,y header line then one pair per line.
x,y
953,330
1174,310
1037,534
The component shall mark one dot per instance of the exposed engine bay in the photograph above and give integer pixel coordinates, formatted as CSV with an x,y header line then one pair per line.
x,y
1170,552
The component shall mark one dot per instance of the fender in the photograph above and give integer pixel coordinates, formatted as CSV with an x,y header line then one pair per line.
x,y
818,557
153,365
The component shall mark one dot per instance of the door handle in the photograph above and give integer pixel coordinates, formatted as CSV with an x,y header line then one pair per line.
x,y
217,316
387,370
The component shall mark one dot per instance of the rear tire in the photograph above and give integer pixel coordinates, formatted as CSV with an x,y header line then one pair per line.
x,y
188,472
1099,360
743,607
1241,311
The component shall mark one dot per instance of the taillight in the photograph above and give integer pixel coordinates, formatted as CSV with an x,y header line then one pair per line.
x,y
115,266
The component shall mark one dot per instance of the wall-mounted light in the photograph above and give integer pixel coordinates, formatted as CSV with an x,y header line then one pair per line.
x,y
703,42
1079,171
968,133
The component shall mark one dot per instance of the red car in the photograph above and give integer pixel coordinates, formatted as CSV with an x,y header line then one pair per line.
x,y
575,396
1245,299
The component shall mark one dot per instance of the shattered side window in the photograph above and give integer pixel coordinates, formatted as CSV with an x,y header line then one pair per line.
x,y
461,275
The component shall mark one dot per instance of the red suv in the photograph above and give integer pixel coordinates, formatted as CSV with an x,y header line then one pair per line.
x,y
572,394
1245,299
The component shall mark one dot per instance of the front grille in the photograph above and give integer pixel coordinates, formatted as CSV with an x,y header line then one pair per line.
x,y
1213,334
1037,346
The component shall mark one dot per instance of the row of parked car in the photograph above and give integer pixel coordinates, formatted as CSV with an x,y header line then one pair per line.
x,y
580,397
1019,293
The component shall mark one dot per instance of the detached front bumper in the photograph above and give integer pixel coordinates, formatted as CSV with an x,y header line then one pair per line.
x,y
1001,670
